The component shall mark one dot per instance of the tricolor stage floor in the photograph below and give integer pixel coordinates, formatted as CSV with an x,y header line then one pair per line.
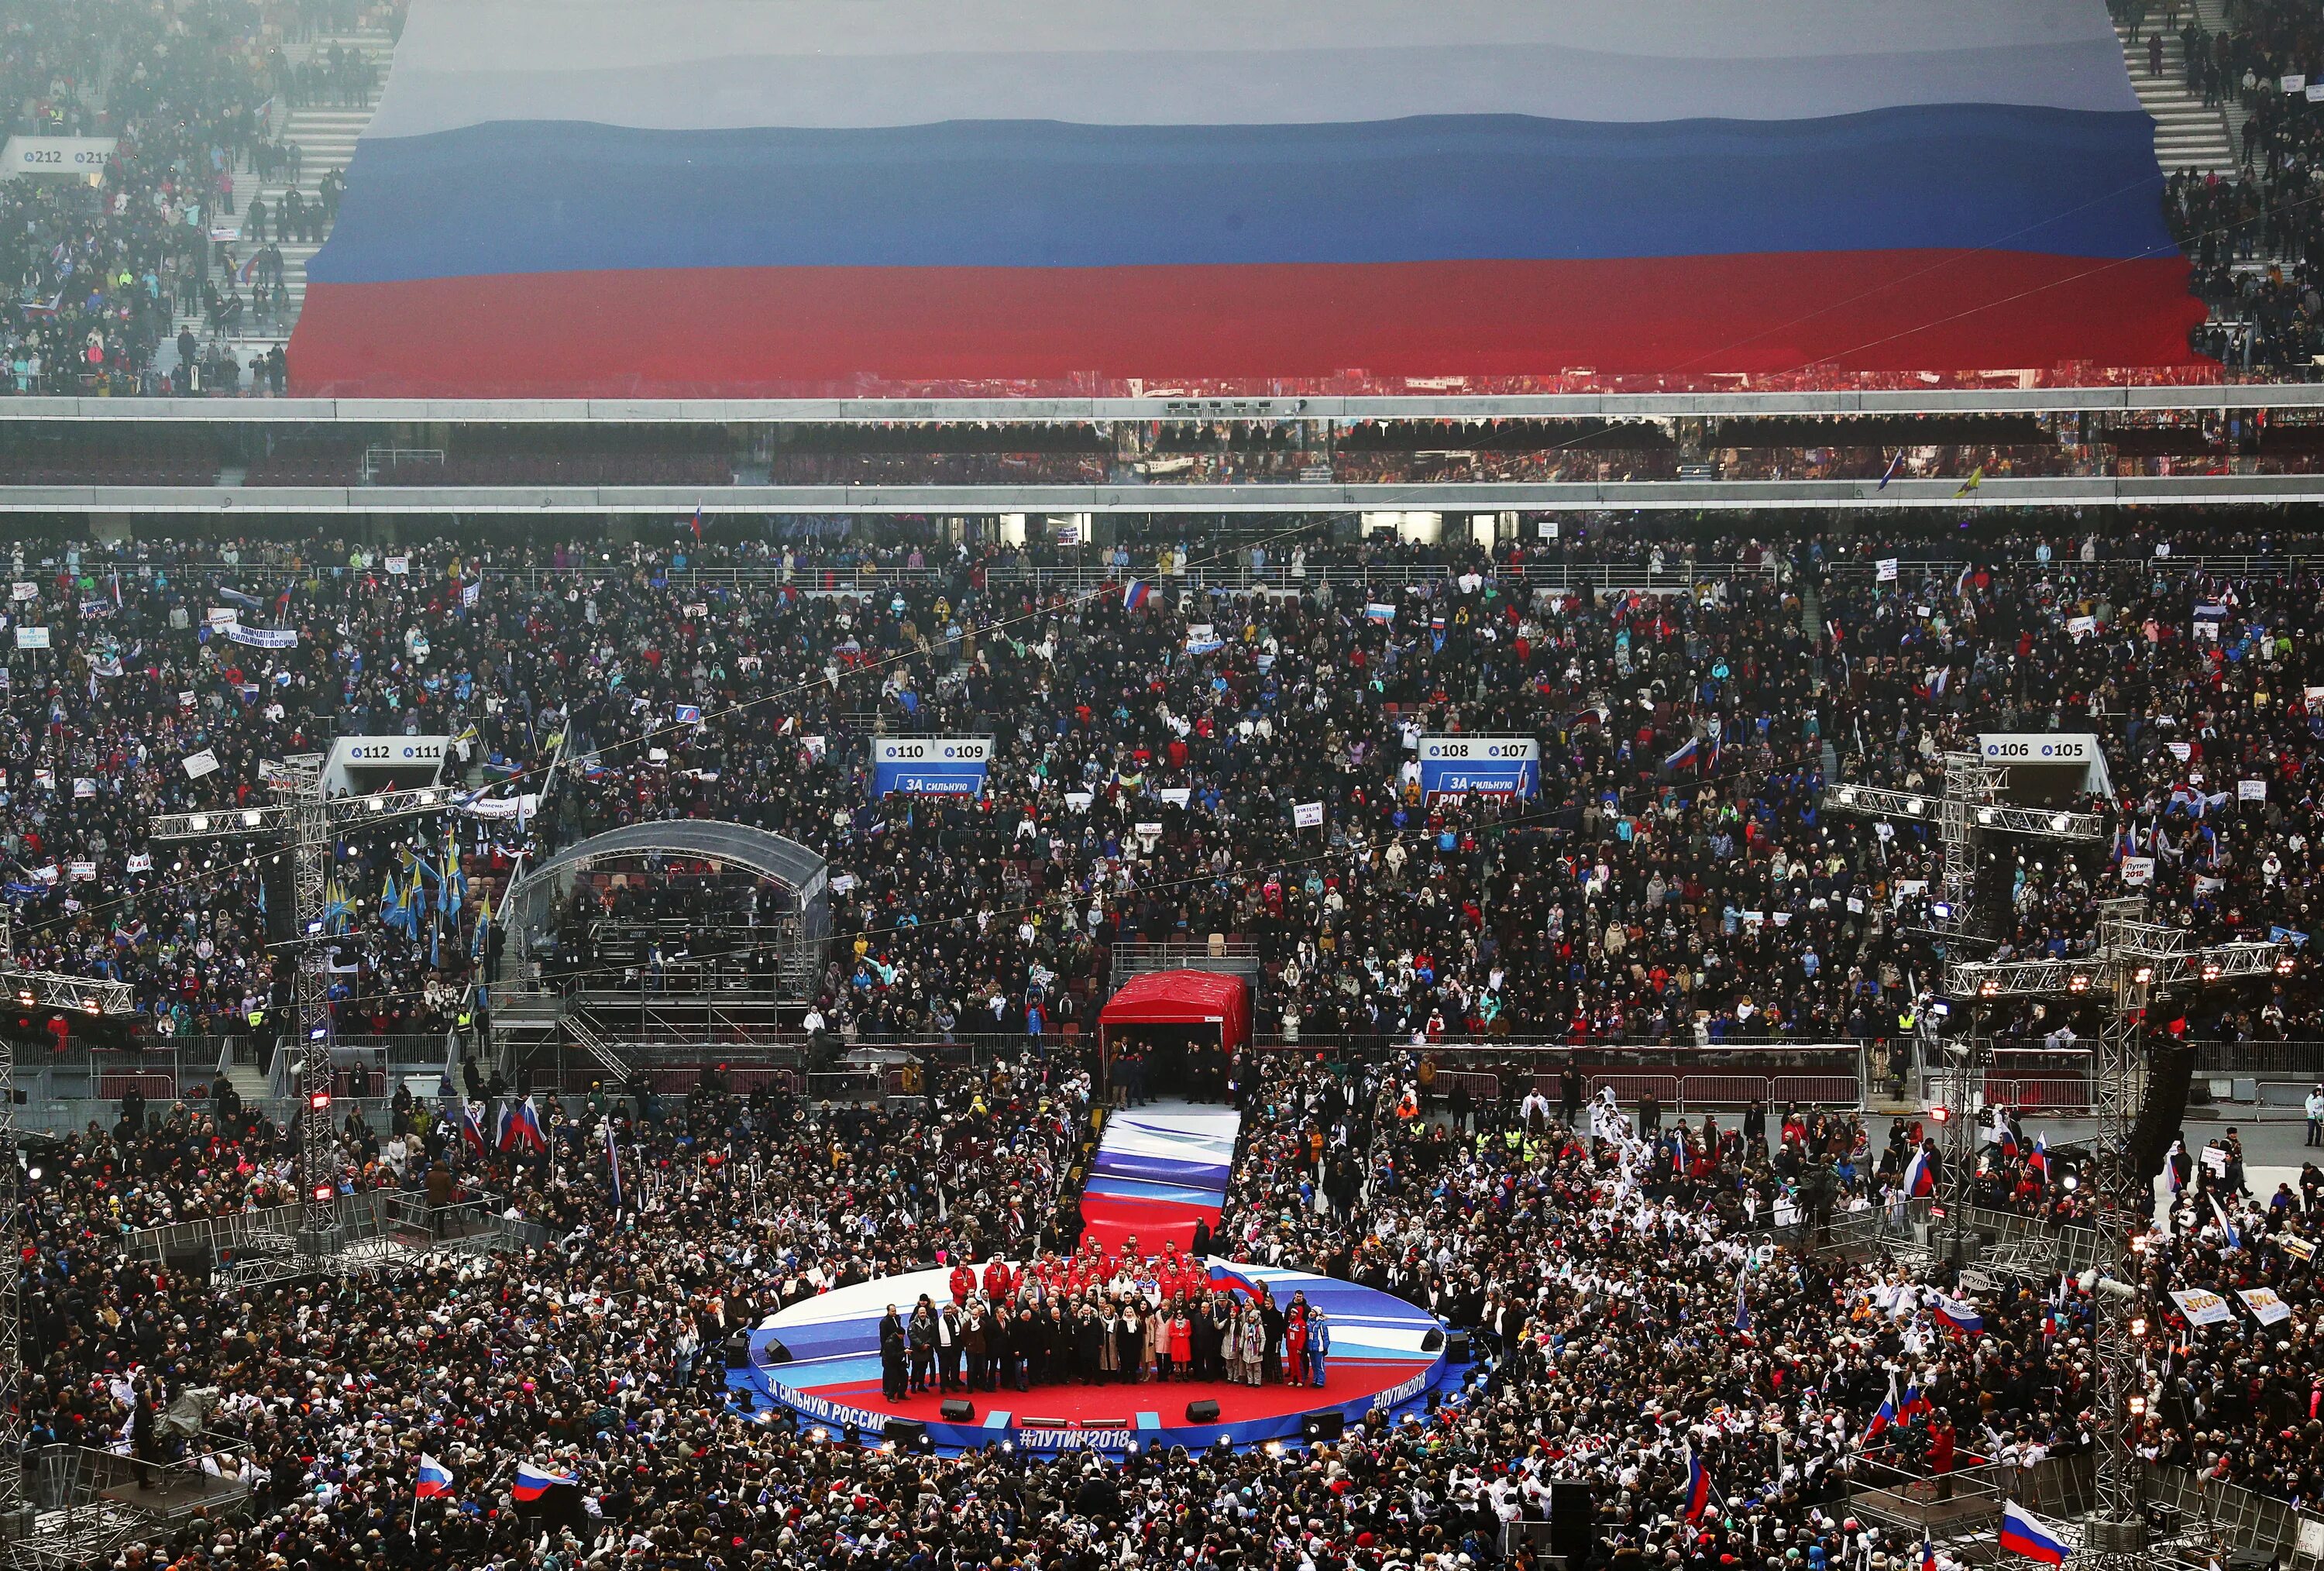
x,y
1386,1354
1158,1170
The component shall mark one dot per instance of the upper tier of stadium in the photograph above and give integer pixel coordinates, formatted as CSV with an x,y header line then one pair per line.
x,y
726,199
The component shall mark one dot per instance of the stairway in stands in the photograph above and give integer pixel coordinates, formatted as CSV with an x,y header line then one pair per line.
x,y
326,134
2188,133
585,1040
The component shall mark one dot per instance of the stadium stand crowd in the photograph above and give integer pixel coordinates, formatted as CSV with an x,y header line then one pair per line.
x,y
99,275
1675,878
1675,883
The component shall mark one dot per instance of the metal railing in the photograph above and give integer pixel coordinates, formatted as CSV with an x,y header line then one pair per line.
x,y
88,1502
267,1236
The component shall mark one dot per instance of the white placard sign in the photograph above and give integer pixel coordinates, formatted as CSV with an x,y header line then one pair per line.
x,y
198,765
2265,1307
78,157
1308,815
32,638
2202,1307
1884,570
2251,791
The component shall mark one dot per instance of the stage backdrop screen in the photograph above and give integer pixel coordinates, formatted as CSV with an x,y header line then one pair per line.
x,y
732,198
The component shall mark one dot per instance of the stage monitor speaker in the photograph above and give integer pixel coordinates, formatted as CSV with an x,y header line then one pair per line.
x,y
774,1352
738,1351
1572,1520
957,1411
904,1432
1201,1412
1434,1341
1327,1425
1456,1347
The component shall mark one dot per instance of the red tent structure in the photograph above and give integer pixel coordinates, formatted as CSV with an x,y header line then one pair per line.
x,y
1172,1011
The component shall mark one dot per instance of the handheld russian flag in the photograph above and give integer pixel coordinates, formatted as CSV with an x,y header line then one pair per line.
x,y
2003,1135
1885,1414
1921,1176
1913,1405
435,1479
1742,1307
1959,1316
2235,1239
1134,593
687,715
472,1129
528,1127
1698,1487
2040,1160
696,521
1686,754
2024,1533
504,1135
533,1483
1928,1553
1889,474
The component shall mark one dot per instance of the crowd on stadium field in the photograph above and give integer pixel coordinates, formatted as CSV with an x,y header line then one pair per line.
x,y
1631,1302
1641,1282
1676,878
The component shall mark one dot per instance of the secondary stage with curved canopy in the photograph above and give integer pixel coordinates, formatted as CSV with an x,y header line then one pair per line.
x,y
770,897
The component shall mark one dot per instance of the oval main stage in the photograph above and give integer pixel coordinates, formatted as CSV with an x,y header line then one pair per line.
x,y
820,1359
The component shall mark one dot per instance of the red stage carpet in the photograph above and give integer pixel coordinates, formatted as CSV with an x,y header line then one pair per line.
x,y
1103,1407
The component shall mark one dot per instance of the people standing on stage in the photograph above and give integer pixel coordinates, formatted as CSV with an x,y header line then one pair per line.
x,y
1090,1341
1181,1344
1319,1344
948,1323
976,1347
892,1356
920,1335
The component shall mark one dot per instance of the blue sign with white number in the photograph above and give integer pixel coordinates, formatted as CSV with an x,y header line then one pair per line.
x,y
930,766
1502,766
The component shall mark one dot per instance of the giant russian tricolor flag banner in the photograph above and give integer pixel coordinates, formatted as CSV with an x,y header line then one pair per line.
x,y
732,197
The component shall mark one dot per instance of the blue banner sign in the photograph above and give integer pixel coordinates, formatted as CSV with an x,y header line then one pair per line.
x,y
1508,766
930,766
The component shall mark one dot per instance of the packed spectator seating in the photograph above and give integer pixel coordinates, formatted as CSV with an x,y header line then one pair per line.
x,y
97,275
1610,908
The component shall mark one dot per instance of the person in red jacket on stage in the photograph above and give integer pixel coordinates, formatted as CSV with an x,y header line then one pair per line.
x,y
999,1283
1171,1278
963,1282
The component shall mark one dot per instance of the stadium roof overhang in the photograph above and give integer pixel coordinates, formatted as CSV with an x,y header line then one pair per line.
x,y
1999,400
1321,499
